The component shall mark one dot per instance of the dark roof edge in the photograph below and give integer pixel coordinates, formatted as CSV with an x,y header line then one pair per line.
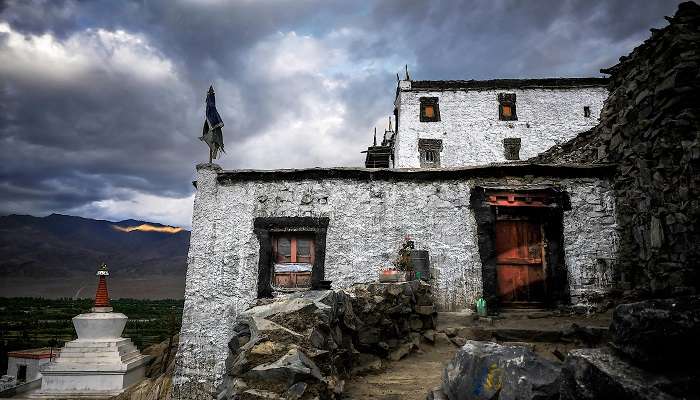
x,y
536,83
411,174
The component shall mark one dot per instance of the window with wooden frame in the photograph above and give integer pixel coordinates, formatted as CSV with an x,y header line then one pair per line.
x,y
293,248
293,254
429,109
586,111
506,107
429,150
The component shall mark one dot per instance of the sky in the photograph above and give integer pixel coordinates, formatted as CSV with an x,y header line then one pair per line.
x,y
102,102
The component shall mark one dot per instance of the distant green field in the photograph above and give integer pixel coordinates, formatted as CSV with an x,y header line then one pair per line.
x,y
36,322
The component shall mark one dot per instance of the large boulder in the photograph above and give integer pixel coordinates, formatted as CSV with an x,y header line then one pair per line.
x,y
487,370
590,374
658,333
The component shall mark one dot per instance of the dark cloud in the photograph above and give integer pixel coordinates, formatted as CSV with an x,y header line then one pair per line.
x,y
101,102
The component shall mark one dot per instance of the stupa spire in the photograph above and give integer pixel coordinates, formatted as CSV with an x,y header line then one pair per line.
x,y
102,296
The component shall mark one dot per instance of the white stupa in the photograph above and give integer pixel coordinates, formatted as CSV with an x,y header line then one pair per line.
x,y
100,363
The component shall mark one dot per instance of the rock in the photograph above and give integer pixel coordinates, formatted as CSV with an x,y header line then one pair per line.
x,y
368,336
485,370
402,351
266,348
425,310
291,368
367,363
458,341
296,391
416,323
436,394
450,332
601,374
442,339
661,333
429,335
256,394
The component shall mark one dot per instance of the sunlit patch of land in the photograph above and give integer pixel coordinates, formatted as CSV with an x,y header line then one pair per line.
x,y
148,228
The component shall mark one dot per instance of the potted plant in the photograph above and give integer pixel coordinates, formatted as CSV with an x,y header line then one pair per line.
x,y
402,269
403,258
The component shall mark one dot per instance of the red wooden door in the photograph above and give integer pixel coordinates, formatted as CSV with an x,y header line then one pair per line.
x,y
519,265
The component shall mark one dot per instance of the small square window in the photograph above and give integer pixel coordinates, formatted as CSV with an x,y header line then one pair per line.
x,y
586,111
429,109
429,151
506,107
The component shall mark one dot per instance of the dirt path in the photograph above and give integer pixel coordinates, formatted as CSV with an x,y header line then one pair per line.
x,y
409,379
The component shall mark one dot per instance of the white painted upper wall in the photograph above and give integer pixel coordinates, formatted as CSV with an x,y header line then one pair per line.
x,y
472,133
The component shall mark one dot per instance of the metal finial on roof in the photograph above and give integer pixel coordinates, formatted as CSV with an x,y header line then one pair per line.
x,y
397,77
375,136
103,270
408,78
389,123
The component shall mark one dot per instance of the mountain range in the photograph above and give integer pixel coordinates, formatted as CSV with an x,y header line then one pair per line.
x,y
58,255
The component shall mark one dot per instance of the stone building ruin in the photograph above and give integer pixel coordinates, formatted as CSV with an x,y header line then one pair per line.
x,y
605,200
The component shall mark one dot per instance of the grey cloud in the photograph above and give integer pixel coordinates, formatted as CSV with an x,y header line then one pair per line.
x,y
67,145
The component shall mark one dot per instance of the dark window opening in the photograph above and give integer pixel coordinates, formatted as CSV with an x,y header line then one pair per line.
x,y
506,107
292,253
429,109
22,373
587,111
429,151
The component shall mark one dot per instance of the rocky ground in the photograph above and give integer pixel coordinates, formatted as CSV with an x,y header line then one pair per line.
x,y
546,333
306,345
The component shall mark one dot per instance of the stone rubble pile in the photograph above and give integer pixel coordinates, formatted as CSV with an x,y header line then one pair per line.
x,y
652,356
302,346
650,128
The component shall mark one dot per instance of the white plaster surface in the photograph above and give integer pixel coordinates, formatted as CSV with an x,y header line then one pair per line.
x,y
99,326
33,366
368,220
98,362
472,134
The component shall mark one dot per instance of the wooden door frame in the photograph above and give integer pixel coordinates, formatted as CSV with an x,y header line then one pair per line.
x,y
551,217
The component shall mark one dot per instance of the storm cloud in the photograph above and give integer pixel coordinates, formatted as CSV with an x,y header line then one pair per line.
x,y
101,102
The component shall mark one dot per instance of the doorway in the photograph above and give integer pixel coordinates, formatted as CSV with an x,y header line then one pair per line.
x,y
519,261
22,373
520,238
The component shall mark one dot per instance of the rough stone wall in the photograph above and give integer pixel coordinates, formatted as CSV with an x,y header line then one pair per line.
x,y
471,132
650,127
368,220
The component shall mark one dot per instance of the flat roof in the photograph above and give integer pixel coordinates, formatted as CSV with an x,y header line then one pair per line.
x,y
531,83
495,170
37,354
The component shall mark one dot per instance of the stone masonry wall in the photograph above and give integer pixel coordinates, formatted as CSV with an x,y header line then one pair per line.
x,y
368,220
472,134
650,127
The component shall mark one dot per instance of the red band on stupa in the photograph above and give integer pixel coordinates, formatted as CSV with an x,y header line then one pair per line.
x,y
102,297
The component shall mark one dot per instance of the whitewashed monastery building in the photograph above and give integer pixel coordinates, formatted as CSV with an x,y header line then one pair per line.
x,y
448,176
